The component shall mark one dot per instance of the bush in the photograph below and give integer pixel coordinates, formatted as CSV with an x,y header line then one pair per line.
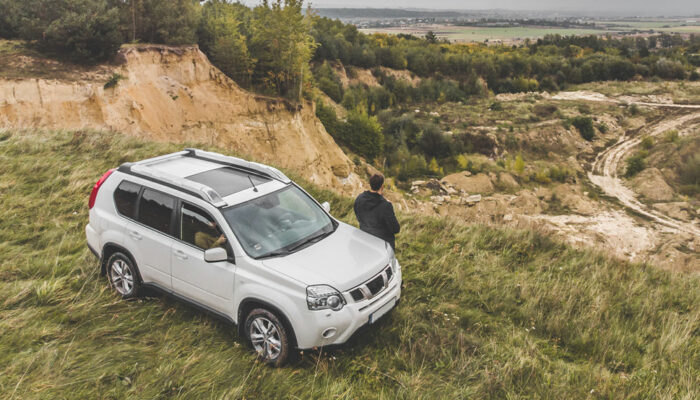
x,y
647,142
113,80
584,126
671,136
544,110
496,106
689,170
635,165
363,135
603,128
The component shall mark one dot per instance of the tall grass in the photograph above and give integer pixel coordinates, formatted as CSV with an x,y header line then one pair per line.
x,y
486,313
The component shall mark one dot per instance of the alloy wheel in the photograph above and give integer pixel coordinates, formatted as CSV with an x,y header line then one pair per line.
x,y
265,338
122,277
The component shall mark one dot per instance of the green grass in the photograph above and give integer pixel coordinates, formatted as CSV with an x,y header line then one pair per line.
x,y
486,313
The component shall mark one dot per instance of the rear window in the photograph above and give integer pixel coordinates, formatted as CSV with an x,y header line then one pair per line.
x,y
156,210
125,198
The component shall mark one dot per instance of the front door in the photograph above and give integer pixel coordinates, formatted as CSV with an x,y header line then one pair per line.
x,y
209,284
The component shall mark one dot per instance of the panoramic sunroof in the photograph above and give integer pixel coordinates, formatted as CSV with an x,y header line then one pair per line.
x,y
227,181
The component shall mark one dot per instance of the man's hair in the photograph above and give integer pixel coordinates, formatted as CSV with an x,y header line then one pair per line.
x,y
376,182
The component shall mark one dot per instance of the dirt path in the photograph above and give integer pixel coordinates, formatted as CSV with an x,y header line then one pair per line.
x,y
607,163
595,96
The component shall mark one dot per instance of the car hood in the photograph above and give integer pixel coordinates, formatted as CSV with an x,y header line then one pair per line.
x,y
344,259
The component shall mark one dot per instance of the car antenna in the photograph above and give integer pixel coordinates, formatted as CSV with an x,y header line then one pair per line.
x,y
255,189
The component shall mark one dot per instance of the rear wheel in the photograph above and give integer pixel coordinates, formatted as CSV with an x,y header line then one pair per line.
x,y
123,276
268,336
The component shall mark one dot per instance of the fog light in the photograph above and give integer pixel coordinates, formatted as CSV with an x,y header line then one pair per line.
x,y
334,302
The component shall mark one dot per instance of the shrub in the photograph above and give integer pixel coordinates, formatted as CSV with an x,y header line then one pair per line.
x,y
647,142
496,106
689,170
584,126
602,127
544,110
671,136
363,135
519,164
113,80
635,165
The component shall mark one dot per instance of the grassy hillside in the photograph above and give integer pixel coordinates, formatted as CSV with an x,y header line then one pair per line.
x,y
487,313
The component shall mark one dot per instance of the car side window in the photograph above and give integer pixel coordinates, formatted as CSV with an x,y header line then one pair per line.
x,y
125,198
156,210
199,229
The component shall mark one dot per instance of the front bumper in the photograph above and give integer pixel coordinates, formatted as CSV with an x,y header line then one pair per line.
x,y
347,321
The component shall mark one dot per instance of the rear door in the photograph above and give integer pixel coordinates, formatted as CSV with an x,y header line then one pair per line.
x,y
207,283
149,237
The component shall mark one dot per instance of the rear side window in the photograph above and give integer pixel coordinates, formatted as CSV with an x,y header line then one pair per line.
x,y
156,210
125,198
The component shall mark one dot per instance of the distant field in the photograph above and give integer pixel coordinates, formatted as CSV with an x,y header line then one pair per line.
x,y
514,34
480,34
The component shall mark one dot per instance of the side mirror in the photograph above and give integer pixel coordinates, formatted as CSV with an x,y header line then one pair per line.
x,y
326,206
215,255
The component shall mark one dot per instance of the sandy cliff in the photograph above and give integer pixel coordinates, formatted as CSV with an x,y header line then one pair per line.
x,y
175,94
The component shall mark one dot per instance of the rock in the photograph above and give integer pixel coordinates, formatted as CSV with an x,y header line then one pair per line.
x,y
508,217
507,180
479,183
650,183
437,199
471,200
418,183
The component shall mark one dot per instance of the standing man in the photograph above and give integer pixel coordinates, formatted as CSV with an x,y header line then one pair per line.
x,y
375,213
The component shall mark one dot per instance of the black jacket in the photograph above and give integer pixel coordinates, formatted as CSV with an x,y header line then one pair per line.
x,y
376,216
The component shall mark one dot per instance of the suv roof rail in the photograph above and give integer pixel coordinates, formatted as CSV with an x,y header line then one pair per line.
x,y
238,163
143,169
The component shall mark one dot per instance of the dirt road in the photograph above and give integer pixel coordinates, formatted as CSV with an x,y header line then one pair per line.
x,y
607,163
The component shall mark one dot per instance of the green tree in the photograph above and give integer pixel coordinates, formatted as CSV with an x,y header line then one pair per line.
x,y
363,135
584,126
161,21
282,45
220,37
82,30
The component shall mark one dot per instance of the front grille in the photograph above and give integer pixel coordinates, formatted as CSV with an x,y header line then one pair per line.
x,y
357,295
374,286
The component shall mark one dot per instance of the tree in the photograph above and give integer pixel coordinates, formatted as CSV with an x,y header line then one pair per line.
x,y
584,126
221,38
430,37
363,135
282,45
161,21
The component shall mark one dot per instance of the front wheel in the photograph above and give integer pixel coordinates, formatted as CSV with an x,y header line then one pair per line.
x,y
268,337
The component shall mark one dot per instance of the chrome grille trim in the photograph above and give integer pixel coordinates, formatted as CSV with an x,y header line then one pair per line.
x,y
364,289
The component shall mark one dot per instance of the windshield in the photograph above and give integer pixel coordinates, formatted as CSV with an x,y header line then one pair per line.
x,y
278,223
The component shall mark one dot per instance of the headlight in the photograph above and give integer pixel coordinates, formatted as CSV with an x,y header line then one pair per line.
x,y
322,297
394,262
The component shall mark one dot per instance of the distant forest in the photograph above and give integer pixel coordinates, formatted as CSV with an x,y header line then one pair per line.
x,y
282,48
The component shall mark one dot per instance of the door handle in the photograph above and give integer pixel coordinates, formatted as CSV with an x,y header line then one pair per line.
x,y
180,254
135,235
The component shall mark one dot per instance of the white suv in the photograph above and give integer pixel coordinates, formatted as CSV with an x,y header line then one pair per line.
x,y
243,241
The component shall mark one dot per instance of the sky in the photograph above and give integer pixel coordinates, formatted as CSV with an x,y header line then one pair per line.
x,y
596,7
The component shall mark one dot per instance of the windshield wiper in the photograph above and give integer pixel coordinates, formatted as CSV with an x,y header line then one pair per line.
x,y
274,254
313,239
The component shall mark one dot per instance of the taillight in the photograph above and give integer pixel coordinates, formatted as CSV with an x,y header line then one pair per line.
x,y
96,188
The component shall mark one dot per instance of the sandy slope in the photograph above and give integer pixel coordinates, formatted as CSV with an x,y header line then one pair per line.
x,y
175,94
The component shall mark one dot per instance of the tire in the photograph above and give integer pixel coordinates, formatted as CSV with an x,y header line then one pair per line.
x,y
123,275
268,337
